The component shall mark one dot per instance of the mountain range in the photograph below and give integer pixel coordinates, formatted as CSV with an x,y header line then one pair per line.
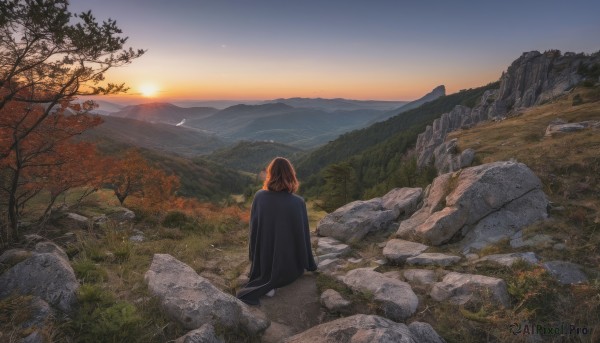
x,y
300,122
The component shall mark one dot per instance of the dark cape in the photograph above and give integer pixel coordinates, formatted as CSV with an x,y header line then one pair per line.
x,y
280,248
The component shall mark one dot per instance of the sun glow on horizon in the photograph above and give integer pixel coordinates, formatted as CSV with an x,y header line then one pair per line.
x,y
148,90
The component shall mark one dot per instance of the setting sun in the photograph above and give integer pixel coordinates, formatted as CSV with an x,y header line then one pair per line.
x,y
148,90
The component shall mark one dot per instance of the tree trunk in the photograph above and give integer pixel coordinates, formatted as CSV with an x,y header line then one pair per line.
x,y
13,213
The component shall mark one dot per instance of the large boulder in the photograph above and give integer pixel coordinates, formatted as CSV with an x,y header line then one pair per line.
x,y
395,298
363,328
398,250
481,205
567,273
193,301
461,288
403,201
353,221
46,274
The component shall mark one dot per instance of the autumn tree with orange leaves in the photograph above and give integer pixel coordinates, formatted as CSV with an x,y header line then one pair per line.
x,y
134,176
49,57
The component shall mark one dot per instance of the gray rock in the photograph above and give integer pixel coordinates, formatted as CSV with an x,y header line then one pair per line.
x,y
466,158
433,201
122,214
420,276
193,301
448,159
423,333
50,247
394,274
101,219
398,250
509,259
330,266
353,221
334,302
403,201
46,275
328,248
78,220
559,246
137,238
507,222
362,328
354,260
395,298
567,273
483,205
461,288
433,259
204,334
557,128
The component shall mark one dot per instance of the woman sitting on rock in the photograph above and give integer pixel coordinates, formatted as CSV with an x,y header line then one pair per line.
x,y
280,248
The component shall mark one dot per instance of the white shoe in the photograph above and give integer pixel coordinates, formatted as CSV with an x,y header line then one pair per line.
x,y
271,293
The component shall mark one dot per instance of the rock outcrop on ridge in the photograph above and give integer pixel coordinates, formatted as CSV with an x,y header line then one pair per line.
x,y
530,80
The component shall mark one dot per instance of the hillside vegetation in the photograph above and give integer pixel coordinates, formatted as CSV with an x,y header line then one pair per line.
x,y
200,178
568,165
375,153
250,156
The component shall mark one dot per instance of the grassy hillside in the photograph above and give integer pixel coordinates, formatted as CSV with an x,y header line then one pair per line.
x,y
376,152
251,157
568,165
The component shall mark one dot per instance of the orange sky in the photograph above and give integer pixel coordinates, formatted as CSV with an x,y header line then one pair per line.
x,y
384,50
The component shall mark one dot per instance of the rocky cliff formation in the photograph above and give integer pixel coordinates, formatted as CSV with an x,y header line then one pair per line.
x,y
530,80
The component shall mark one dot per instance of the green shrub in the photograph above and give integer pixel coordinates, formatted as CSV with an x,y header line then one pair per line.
x,y
88,271
122,252
93,294
100,319
175,219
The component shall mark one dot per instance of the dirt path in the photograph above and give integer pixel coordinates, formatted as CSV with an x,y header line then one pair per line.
x,y
292,309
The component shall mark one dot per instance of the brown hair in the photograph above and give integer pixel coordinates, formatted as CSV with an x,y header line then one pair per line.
x,y
281,176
